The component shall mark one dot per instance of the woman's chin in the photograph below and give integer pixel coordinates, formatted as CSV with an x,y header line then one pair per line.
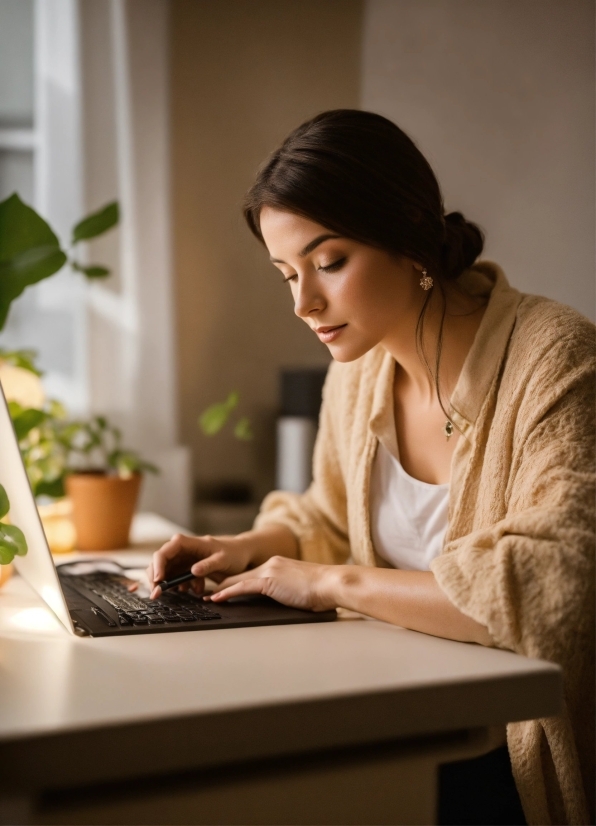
x,y
345,354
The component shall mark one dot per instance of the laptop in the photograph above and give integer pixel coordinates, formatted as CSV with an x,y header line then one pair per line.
x,y
90,597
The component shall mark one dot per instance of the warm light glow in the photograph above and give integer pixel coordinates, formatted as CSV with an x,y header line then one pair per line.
x,y
33,619
21,385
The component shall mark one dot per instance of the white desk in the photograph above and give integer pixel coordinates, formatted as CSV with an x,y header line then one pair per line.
x,y
339,722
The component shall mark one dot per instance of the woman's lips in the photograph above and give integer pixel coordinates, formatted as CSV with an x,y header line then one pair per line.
x,y
327,334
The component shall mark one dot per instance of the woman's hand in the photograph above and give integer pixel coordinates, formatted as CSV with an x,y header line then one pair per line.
x,y
214,556
306,585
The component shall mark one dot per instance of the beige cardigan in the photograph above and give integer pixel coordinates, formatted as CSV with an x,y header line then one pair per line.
x,y
518,556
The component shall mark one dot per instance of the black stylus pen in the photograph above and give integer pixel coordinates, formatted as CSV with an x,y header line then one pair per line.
x,y
166,584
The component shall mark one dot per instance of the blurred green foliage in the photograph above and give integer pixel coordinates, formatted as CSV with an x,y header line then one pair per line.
x,y
12,539
30,251
216,416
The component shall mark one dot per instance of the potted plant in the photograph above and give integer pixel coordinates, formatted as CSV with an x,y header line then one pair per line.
x,y
30,252
85,460
103,480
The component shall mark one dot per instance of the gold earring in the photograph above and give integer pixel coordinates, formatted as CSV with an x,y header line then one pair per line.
x,y
426,281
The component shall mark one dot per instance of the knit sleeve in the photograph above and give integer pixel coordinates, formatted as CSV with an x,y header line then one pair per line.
x,y
317,517
529,578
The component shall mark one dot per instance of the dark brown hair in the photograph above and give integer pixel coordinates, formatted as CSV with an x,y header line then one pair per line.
x,y
361,176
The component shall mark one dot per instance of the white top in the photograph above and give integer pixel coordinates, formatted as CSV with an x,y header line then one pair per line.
x,y
408,517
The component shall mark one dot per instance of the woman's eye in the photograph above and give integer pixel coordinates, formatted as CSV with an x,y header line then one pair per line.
x,y
289,278
336,265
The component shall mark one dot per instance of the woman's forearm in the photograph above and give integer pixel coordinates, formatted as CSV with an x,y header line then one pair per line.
x,y
411,599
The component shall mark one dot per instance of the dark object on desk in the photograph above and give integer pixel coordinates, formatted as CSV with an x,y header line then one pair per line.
x,y
301,395
101,605
302,392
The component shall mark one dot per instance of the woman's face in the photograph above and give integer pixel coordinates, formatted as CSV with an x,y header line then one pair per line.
x,y
352,295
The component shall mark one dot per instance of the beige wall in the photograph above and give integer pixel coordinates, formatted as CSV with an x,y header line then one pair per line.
x,y
499,95
243,74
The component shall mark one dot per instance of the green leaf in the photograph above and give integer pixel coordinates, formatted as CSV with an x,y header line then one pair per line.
x,y
12,543
55,489
25,359
215,417
29,251
23,271
243,430
22,229
97,223
15,409
27,420
57,409
4,503
91,271
127,462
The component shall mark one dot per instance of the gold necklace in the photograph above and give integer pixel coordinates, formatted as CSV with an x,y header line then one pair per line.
x,y
448,429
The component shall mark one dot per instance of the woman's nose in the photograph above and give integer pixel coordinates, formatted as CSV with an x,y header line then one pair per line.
x,y
307,299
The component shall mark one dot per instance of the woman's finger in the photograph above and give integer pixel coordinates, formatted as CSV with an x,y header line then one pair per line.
x,y
247,586
179,545
209,565
254,573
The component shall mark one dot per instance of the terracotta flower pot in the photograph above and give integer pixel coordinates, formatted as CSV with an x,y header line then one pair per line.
x,y
102,509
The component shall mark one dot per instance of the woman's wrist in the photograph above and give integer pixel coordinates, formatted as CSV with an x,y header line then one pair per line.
x,y
333,584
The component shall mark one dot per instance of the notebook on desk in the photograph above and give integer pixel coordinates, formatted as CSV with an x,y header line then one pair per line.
x,y
91,598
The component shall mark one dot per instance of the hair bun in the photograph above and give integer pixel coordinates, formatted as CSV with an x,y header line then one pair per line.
x,y
464,241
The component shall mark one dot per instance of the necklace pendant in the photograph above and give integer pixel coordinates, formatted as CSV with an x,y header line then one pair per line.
x,y
448,429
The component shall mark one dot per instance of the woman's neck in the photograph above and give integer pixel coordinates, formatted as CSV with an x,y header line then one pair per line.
x,y
461,322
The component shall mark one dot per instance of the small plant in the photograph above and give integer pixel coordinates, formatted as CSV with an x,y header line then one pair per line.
x,y
12,539
215,417
25,359
43,438
96,445
52,446
30,251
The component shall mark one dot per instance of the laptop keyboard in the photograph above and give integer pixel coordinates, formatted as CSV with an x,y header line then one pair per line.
x,y
133,610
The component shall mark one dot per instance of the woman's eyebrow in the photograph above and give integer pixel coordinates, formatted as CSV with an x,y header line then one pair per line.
x,y
309,247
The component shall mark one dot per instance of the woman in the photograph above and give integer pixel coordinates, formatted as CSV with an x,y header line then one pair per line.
x,y
454,460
